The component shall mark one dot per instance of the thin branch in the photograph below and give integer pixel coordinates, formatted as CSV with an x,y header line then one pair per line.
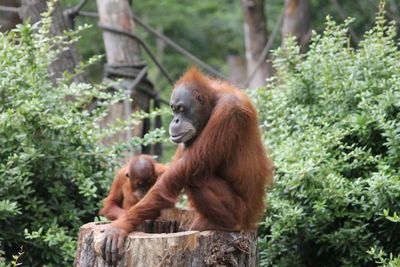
x,y
343,16
79,6
88,14
138,78
71,13
152,93
74,11
9,9
268,45
143,44
178,48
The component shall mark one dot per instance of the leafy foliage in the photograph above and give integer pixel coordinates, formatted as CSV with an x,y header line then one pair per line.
x,y
333,121
53,168
380,256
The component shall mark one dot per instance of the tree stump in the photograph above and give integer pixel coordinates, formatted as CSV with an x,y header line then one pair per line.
x,y
167,242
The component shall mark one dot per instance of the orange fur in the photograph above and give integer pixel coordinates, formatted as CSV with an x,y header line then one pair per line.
x,y
224,170
125,191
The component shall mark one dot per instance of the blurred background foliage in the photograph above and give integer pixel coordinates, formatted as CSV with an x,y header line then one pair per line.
x,y
212,30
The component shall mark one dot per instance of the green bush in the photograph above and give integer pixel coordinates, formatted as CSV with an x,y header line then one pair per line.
x,y
332,124
53,168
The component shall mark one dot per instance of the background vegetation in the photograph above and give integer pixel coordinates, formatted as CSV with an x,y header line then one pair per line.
x,y
332,123
212,30
53,168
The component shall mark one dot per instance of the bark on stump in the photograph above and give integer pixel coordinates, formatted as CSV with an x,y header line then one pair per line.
x,y
167,242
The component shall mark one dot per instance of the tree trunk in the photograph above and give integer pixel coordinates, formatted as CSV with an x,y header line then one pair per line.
x,y
237,69
167,242
8,20
124,60
296,21
255,40
67,60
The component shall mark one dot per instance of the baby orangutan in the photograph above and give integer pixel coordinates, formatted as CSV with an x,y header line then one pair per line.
x,y
130,185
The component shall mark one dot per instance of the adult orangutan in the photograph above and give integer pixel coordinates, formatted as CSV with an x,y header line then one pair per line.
x,y
220,163
130,185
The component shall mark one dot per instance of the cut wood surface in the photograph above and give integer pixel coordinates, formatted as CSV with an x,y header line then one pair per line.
x,y
167,242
